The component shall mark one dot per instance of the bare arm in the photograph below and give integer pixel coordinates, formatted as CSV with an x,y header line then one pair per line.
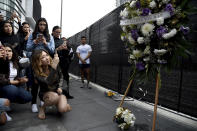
x,y
88,56
78,55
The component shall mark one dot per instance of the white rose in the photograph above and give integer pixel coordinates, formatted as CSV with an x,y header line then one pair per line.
x,y
137,53
130,38
122,38
152,4
132,4
140,40
169,35
147,29
132,57
119,110
122,126
146,59
124,13
160,21
160,52
124,28
132,123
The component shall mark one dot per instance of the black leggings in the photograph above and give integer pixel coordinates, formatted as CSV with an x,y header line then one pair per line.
x,y
31,83
64,69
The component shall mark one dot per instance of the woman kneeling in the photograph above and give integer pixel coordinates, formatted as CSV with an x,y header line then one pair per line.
x,y
47,75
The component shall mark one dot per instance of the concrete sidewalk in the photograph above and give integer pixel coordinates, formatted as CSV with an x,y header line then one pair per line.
x,y
91,111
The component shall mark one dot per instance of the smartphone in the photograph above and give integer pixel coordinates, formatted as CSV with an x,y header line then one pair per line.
x,y
40,35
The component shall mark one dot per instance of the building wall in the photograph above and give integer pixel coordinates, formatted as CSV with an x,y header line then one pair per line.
x,y
36,9
9,6
27,10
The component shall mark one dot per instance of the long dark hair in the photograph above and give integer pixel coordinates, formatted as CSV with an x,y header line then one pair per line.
x,y
21,28
46,31
14,56
2,28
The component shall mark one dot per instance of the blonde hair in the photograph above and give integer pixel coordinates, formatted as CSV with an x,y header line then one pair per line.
x,y
36,63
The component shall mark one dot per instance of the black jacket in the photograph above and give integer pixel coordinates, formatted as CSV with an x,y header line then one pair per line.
x,y
5,73
12,40
50,83
64,55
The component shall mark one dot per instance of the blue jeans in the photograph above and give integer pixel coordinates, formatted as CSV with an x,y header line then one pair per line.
x,y
15,94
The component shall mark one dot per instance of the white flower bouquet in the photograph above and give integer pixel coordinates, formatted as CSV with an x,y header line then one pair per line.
x,y
124,118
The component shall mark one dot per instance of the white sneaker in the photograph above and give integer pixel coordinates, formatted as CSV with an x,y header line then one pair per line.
x,y
34,108
8,117
41,103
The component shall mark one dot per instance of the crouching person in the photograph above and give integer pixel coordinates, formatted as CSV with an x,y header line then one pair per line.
x,y
47,75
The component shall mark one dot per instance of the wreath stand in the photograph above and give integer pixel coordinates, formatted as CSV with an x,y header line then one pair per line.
x,y
156,98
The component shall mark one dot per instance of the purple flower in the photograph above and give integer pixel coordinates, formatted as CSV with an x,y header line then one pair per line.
x,y
146,11
185,30
134,34
138,5
140,66
169,8
160,31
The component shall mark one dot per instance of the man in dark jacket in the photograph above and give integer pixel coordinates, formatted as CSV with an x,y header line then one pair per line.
x,y
65,54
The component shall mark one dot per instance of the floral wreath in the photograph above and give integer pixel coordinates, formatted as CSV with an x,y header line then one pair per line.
x,y
155,33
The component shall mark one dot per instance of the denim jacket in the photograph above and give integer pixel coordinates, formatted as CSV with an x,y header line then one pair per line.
x,y
31,46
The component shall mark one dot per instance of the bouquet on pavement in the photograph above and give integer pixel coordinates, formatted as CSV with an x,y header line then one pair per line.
x,y
124,118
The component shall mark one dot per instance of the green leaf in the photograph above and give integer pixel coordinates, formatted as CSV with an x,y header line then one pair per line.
x,y
184,3
190,11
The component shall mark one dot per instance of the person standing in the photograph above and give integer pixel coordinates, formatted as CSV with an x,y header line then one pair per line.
x,y
65,53
83,53
23,34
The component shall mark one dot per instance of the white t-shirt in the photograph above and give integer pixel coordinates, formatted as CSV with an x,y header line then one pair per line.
x,y
13,72
83,51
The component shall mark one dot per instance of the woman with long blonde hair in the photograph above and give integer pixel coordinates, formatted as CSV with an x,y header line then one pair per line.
x,y
47,74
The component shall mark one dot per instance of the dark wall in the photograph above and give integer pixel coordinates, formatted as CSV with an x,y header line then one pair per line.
x,y
110,67
36,9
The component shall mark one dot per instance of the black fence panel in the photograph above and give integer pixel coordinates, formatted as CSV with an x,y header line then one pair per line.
x,y
110,67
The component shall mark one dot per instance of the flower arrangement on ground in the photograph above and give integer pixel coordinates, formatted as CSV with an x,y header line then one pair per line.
x,y
124,117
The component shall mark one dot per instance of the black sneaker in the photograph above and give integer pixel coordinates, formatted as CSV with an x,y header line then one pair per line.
x,y
70,97
89,87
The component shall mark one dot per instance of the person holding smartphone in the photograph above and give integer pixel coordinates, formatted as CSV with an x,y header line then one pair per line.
x,y
40,38
65,53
